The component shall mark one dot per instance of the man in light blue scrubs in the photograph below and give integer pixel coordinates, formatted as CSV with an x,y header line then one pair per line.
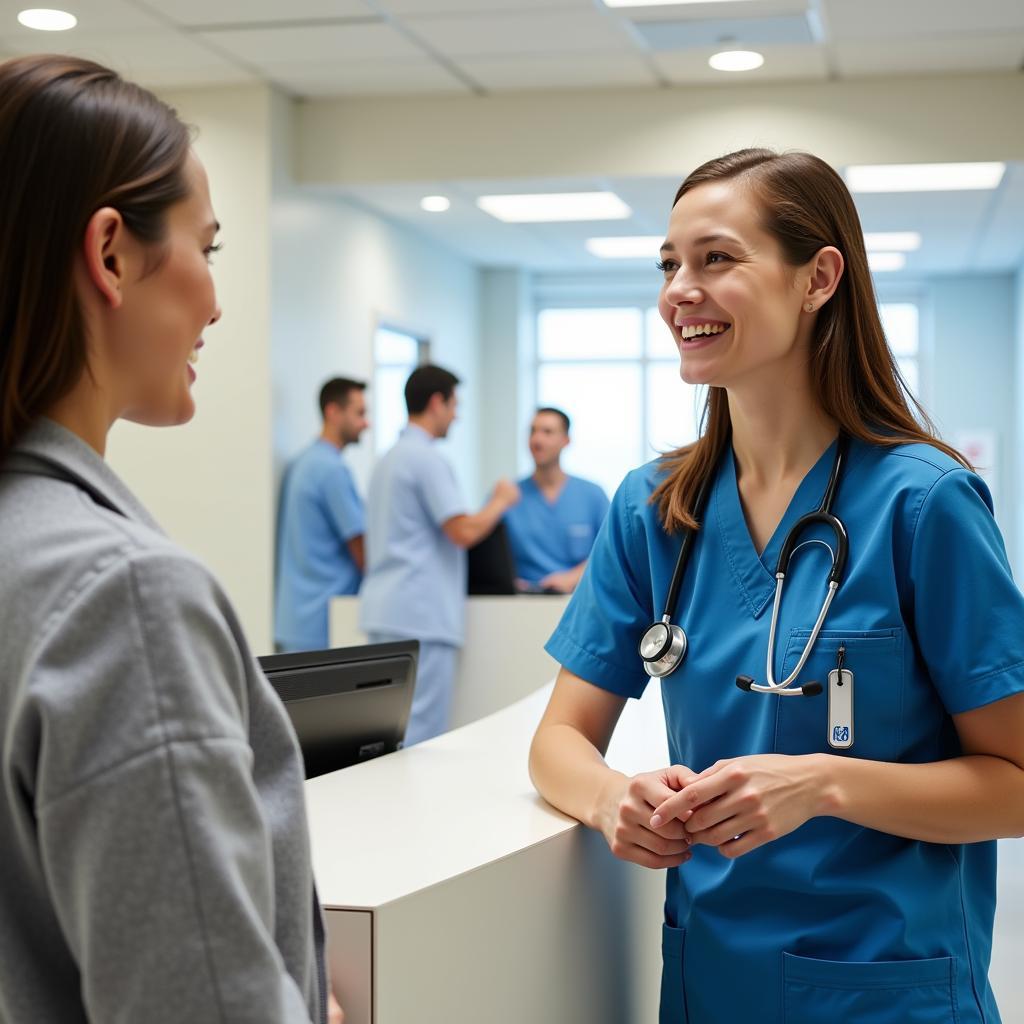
x,y
320,524
418,531
553,528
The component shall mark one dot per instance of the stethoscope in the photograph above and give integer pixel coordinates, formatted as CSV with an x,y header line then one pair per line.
x,y
663,646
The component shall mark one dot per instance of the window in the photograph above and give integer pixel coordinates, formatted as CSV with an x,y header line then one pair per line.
x,y
901,323
615,371
396,353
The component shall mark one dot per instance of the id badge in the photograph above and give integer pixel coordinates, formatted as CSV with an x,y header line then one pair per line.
x,y
840,709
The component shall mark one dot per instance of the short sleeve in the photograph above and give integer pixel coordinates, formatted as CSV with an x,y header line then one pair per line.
x,y
344,504
599,632
968,613
439,489
599,507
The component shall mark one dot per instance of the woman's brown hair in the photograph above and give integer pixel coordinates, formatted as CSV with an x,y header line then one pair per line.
x,y
74,138
806,206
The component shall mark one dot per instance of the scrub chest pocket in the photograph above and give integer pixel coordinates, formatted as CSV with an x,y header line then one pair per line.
x,y
875,660
580,538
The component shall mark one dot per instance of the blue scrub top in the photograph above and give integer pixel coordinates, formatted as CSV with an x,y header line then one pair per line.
x,y
552,536
415,576
833,922
320,511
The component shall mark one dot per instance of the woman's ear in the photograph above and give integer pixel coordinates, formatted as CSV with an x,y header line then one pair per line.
x,y
104,251
826,271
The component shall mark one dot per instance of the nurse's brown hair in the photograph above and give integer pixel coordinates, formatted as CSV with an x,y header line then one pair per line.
x,y
805,205
74,138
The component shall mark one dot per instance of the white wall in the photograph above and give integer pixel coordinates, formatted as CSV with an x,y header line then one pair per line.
x,y
506,353
209,482
336,271
657,131
969,331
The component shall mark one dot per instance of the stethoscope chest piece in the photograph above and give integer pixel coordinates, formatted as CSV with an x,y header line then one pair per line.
x,y
662,649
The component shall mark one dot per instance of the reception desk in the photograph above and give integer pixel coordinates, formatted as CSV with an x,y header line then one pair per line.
x,y
455,895
503,658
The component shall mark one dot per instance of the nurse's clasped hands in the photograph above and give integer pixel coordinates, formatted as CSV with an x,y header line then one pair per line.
x,y
625,814
742,803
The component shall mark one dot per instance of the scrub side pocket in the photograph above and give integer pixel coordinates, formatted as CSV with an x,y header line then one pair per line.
x,y
908,991
875,657
673,1001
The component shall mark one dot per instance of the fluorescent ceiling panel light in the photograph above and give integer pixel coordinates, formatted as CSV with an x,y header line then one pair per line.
x,y
924,177
892,241
626,247
435,204
46,20
555,206
736,60
883,261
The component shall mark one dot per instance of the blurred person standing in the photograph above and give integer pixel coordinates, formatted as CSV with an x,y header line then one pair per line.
x,y
553,528
417,533
321,523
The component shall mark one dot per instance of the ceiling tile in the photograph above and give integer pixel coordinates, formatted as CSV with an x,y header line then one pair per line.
x,y
246,12
930,54
548,31
92,15
555,71
270,46
366,78
782,63
440,8
141,54
883,19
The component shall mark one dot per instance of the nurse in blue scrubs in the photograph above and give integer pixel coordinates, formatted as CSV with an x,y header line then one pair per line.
x,y
825,861
552,529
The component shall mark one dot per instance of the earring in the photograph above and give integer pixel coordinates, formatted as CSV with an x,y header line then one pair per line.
x,y
809,307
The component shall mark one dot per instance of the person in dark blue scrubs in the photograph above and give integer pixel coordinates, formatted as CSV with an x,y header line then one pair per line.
x,y
552,529
826,861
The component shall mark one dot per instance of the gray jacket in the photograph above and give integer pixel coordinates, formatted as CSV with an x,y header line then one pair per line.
x,y
154,854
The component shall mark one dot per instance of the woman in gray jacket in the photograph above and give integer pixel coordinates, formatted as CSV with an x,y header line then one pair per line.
x,y
153,834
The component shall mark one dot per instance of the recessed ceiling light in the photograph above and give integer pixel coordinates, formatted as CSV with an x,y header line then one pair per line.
x,y
555,206
736,60
435,204
924,177
47,20
882,261
626,247
892,241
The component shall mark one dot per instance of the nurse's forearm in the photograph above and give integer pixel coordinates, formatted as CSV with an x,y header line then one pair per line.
x,y
964,800
570,773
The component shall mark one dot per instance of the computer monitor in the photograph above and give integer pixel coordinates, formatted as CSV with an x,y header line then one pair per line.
x,y
490,568
348,704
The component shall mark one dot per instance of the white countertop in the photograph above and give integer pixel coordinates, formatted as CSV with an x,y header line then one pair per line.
x,y
407,821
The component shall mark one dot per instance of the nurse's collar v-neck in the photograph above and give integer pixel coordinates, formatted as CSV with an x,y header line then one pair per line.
x,y
755,575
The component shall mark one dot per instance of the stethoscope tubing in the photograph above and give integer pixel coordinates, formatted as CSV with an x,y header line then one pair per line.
x,y
667,660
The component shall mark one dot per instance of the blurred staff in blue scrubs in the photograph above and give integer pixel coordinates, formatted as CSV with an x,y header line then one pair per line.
x,y
830,849
553,527
153,832
418,530
321,523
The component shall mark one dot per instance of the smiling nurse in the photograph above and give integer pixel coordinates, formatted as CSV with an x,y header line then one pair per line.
x,y
831,848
